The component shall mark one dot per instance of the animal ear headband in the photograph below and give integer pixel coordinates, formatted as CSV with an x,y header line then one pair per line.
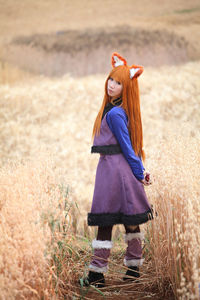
x,y
118,60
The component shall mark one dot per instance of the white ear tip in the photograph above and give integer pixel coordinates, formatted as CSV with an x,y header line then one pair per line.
x,y
118,62
133,71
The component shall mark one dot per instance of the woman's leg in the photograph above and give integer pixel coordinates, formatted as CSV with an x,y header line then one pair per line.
x,y
99,261
133,257
101,246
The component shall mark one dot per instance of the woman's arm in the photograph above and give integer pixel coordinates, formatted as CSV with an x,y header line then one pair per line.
x,y
117,122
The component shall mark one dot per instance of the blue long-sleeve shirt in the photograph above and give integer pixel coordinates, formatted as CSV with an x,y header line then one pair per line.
x,y
117,121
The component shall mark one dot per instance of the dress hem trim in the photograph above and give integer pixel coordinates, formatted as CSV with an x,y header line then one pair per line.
x,y
108,219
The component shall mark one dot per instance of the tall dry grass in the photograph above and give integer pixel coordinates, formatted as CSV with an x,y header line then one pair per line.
x,y
35,227
41,252
173,239
59,114
42,257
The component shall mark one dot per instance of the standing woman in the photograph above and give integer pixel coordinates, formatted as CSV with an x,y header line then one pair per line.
x,y
119,196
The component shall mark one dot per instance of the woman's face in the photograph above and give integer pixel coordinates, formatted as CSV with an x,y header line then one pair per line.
x,y
114,88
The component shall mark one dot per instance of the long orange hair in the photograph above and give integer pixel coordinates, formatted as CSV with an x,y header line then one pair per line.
x,y
131,105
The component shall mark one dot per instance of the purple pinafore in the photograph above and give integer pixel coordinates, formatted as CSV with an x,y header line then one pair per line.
x,y
119,197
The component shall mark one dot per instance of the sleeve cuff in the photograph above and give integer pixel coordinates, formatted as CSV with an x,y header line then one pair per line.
x,y
140,177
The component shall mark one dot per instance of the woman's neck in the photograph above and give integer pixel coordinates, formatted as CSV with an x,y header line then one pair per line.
x,y
115,100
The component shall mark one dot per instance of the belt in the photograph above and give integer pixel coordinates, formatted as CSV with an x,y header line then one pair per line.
x,y
106,149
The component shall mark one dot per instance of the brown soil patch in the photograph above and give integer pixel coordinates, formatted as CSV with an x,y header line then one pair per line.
x,y
83,52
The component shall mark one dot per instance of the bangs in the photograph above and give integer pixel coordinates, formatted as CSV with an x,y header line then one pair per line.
x,y
120,73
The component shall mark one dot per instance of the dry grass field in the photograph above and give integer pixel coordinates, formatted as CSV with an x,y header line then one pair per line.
x,y
54,57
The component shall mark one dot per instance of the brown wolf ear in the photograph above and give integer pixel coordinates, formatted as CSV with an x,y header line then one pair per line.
x,y
118,60
135,71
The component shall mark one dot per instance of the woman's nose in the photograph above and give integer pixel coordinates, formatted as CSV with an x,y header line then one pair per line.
x,y
112,84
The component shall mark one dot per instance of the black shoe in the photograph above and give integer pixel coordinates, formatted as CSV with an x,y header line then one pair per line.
x,y
94,278
132,273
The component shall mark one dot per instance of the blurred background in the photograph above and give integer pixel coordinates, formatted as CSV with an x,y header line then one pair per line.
x,y
54,58
55,38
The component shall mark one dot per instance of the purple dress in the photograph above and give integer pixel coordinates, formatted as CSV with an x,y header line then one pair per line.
x,y
119,197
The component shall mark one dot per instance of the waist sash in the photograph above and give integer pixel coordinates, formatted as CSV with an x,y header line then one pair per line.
x,y
106,149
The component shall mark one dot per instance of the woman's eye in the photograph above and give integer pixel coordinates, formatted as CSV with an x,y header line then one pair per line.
x,y
118,82
111,78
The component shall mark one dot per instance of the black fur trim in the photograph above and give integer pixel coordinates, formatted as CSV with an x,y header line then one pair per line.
x,y
109,106
107,149
108,219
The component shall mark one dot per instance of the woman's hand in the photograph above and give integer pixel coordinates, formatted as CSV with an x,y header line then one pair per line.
x,y
146,180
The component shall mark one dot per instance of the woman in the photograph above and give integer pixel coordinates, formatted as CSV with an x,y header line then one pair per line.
x,y
119,196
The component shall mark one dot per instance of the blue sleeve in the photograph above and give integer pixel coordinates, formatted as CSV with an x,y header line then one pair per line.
x,y
117,121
